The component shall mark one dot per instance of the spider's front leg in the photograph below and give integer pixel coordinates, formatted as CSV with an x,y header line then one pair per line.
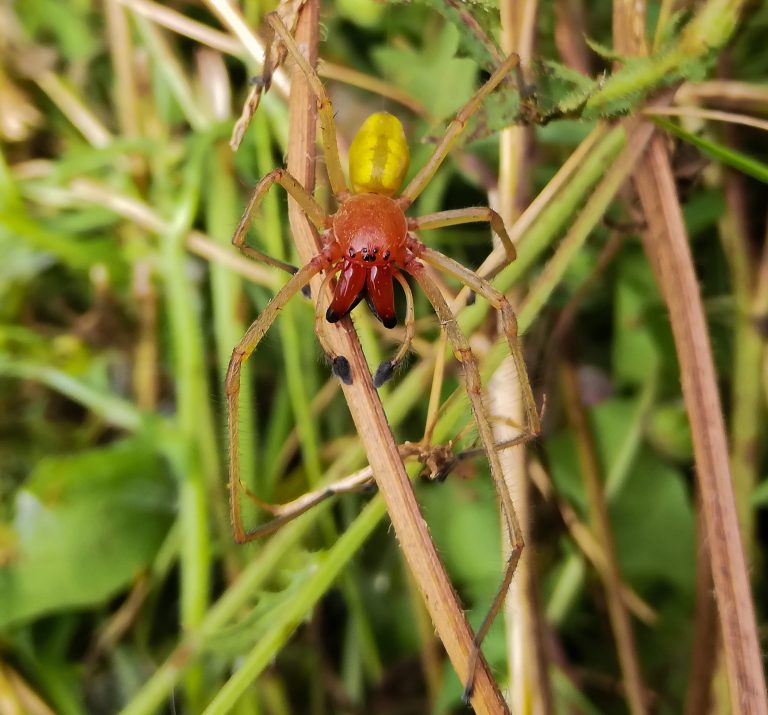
x,y
299,194
240,354
324,108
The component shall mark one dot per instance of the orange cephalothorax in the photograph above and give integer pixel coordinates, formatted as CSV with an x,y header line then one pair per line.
x,y
371,228
371,231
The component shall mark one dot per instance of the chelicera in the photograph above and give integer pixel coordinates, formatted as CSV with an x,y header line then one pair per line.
x,y
368,243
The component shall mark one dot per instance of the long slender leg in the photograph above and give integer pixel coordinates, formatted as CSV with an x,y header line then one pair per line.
x,y
474,390
339,364
283,513
454,130
508,318
387,368
324,108
469,215
433,408
240,354
299,194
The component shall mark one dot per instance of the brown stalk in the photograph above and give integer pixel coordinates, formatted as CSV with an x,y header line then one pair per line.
x,y
600,521
570,31
368,413
698,699
666,243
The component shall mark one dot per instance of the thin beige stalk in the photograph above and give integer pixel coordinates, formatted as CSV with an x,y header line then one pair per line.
x,y
368,413
714,115
530,688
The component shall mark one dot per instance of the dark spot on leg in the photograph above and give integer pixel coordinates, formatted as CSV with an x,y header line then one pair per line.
x,y
340,367
383,373
467,696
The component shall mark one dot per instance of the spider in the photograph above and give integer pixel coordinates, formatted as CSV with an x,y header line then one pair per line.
x,y
369,243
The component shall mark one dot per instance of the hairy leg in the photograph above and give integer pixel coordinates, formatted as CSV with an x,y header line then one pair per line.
x,y
385,371
454,130
240,354
468,360
508,319
469,215
299,194
324,106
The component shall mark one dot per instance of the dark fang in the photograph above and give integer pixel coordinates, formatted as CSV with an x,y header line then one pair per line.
x,y
306,291
383,373
340,368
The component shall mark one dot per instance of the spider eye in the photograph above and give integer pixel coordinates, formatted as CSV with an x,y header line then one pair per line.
x,y
378,156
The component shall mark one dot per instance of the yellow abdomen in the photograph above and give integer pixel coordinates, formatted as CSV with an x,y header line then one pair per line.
x,y
379,156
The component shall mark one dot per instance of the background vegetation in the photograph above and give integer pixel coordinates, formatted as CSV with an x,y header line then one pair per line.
x,y
121,300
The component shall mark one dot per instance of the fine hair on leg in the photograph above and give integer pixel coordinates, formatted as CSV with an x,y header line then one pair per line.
x,y
339,364
240,354
324,107
385,371
456,217
468,360
508,319
453,132
294,189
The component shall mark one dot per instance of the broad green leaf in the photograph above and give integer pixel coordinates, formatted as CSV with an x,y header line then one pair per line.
x,y
643,343
85,525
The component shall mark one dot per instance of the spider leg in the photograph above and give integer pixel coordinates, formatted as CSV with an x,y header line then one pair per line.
x,y
324,107
297,192
468,360
454,130
240,354
385,371
433,408
508,319
457,217
359,481
283,513
339,364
